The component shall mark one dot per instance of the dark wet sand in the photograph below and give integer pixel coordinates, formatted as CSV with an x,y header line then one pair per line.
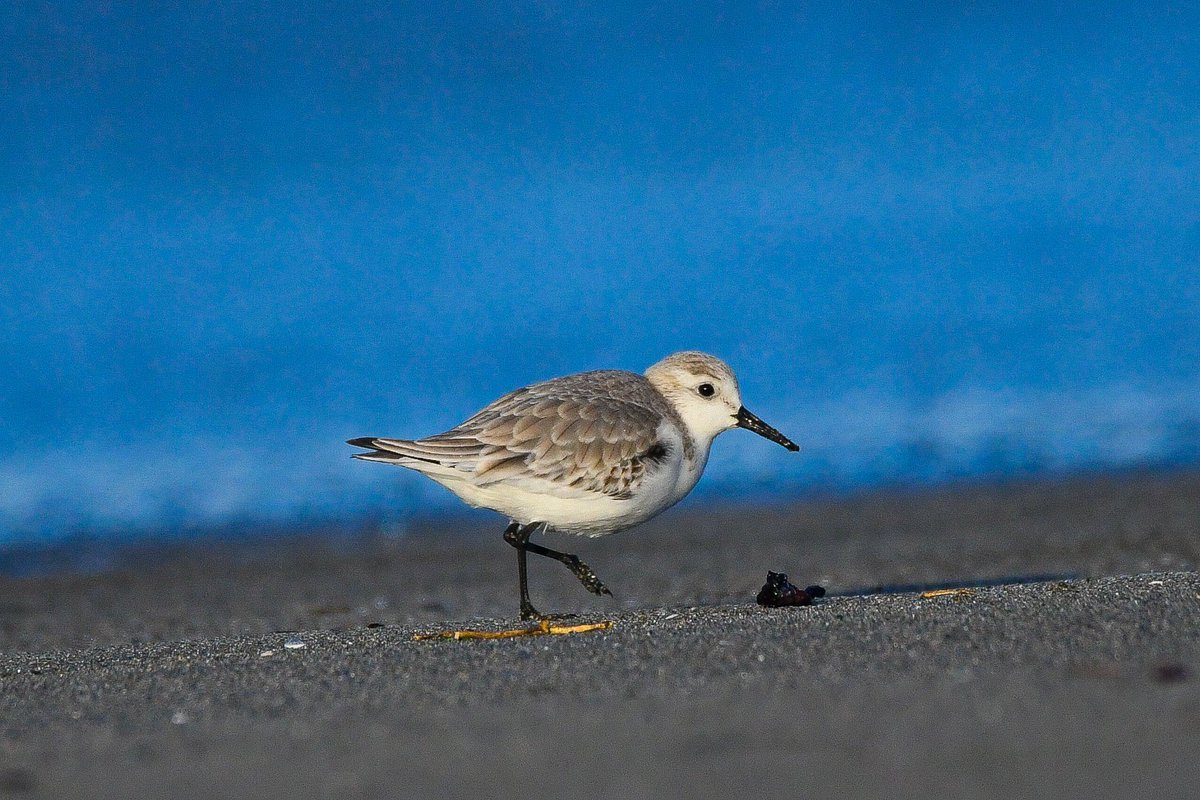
x,y
1073,670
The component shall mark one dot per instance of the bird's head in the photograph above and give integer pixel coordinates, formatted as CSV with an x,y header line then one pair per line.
x,y
704,391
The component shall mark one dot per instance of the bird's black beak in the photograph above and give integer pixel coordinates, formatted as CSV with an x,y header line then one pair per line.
x,y
752,423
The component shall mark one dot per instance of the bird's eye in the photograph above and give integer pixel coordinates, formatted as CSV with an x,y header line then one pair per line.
x,y
706,390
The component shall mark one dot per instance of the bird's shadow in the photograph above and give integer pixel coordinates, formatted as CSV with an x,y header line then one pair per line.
x,y
913,588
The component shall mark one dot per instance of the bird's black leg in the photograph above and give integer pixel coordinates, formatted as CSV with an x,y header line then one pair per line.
x,y
577,567
517,535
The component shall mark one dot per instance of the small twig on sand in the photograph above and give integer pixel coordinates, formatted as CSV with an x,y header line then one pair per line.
x,y
543,628
947,593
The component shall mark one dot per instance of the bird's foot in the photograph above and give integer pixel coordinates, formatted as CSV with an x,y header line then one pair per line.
x,y
531,614
588,578
528,612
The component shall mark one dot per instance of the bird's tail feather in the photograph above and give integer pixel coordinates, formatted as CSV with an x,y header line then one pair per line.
x,y
446,451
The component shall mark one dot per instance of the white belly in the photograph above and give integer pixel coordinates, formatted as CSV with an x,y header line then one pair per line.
x,y
584,513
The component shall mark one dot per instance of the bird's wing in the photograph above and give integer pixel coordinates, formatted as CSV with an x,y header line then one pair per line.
x,y
562,436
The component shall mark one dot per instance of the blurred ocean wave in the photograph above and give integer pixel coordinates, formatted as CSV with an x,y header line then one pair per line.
x,y
866,440
934,241
176,488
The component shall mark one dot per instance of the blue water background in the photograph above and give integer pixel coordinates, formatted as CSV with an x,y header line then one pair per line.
x,y
934,240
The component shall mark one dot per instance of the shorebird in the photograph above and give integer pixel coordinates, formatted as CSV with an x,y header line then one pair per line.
x,y
591,454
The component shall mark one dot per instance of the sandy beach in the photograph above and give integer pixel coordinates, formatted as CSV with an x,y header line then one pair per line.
x,y
285,666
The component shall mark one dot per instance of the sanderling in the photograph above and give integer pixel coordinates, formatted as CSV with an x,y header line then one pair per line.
x,y
591,453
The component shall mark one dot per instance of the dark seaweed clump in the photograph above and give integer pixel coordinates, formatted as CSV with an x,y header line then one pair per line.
x,y
778,591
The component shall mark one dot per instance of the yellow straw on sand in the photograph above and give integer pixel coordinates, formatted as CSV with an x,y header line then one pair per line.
x,y
543,628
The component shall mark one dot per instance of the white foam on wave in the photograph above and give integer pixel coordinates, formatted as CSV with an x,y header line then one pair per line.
x,y
867,439
855,441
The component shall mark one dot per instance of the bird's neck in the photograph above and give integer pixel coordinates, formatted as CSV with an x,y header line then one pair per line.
x,y
695,458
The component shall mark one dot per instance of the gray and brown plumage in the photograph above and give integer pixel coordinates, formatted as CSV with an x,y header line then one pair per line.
x,y
590,453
